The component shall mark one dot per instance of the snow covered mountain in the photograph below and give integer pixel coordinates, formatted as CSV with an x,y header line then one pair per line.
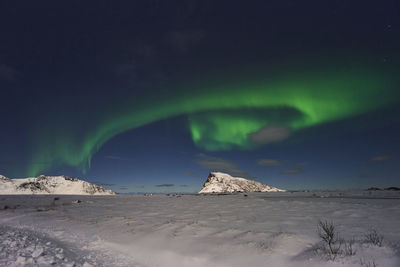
x,y
57,185
218,182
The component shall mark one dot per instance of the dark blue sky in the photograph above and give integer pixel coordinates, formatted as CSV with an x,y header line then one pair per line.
x,y
125,85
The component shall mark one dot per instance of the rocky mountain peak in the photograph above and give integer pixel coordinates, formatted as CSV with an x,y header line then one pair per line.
x,y
51,185
218,182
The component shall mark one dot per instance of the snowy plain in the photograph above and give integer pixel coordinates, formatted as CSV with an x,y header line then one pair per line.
x,y
255,229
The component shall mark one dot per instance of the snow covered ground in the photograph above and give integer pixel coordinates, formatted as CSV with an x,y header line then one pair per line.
x,y
257,229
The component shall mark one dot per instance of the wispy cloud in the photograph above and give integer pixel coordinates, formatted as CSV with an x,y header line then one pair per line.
x,y
105,184
164,185
183,41
8,73
380,158
269,162
292,171
7,162
112,157
270,134
297,169
218,164
123,188
189,173
302,164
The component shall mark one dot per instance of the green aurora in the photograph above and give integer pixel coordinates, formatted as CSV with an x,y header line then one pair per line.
x,y
224,116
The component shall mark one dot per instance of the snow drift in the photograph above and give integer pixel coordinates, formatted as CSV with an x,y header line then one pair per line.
x,y
218,182
57,185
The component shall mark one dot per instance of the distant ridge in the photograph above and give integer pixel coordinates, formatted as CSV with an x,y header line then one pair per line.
x,y
392,188
50,185
218,182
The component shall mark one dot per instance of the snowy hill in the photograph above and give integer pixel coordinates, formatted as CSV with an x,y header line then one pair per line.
x,y
218,182
57,185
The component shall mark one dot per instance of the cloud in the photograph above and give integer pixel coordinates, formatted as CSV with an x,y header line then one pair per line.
x,y
7,162
218,164
269,162
164,185
297,169
144,49
183,185
113,157
105,184
8,73
292,171
270,134
235,128
182,41
117,158
123,188
302,164
190,173
380,158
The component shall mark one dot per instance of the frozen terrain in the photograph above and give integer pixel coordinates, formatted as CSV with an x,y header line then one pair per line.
x,y
218,182
252,229
61,185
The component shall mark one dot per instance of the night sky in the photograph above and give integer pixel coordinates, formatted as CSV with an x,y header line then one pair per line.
x,y
150,96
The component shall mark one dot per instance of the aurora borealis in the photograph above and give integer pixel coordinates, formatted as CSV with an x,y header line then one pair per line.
x,y
103,77
222,119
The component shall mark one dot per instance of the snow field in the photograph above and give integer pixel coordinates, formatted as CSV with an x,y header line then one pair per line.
x,y
262,229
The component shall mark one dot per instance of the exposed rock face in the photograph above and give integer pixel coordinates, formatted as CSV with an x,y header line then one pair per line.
x,y
218,182
57,185
4,179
